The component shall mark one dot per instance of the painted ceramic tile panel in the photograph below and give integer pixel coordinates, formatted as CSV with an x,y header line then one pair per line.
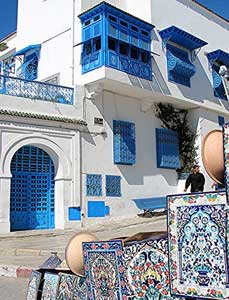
x,y
226,156
104,270
50,288
147,269
33,286
80,292
67,286
198,245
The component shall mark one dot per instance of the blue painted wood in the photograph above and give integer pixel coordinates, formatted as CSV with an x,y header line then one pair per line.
x,y
167,142
74,213
96,209
131,36
93,185
151,203
218,86
124,148
113,186
221,120
32,190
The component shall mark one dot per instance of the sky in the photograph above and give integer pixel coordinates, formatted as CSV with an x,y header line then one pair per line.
x,y
8,17
8,13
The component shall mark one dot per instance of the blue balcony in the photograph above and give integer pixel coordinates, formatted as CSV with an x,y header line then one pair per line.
x,y
14,86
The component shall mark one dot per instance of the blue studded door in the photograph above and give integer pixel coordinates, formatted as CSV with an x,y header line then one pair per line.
x,y
32,190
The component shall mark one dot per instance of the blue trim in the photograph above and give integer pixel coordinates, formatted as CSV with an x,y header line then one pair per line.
x,y
218,56
151,203
113,186
97,209
23,51
74,213
221,120
93,185
181,37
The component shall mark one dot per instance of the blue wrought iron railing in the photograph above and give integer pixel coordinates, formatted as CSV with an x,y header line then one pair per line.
x,y
35,90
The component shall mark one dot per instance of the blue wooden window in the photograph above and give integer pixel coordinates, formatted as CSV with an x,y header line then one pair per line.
x,y
221,120
113,186
74,213
167,143
94,185
180,69
125,41
218,86
124,142
97,209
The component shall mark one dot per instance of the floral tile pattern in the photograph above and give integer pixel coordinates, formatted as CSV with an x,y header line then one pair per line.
x,y
80,292
104,270
147,269
33,286
67,286
50,288
226,157
197,232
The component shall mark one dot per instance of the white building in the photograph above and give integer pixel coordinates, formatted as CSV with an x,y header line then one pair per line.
x,y
78,138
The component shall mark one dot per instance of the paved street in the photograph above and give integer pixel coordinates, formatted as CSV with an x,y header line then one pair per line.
x,y
13,288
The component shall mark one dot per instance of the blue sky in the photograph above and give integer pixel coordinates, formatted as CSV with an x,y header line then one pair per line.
x,y
8,16
221,7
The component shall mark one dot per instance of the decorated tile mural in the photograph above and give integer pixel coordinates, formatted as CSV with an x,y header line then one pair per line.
x,y
50,288
33,286
104,270
226,156
67,286
80,292
197,232
147,269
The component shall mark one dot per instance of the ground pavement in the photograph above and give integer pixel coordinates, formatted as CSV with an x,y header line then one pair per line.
x,y
20,252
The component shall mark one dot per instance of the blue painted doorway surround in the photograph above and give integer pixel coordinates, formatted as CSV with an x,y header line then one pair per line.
x,y
32,190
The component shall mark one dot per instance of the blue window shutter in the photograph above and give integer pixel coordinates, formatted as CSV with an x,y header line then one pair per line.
x,y
74,213
96,209
167,143
124,147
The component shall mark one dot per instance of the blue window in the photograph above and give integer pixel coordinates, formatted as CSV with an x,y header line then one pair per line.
x,y
29,68
216,59
124,142
74,213
113,186
180,69
94,185
167,143
125,41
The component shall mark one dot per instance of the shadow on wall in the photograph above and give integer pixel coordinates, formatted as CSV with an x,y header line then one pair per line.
x,y
157,84
205,13
201,87
145,124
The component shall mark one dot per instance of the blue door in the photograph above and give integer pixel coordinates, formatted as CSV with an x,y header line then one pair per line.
x,y
32,190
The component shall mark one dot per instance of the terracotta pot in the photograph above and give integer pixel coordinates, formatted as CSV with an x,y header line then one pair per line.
x,y
74,251
212,155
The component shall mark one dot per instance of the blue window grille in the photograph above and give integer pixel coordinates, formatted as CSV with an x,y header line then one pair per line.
x,y
97,209
113,186
167,142
221,120
180,69
124,147
94,185
32,190
8,66
29,68
116,39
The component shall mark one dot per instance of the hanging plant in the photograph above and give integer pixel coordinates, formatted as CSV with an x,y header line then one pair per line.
x,y
176,119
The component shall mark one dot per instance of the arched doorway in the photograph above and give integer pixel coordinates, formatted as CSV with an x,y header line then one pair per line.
x,y
32,190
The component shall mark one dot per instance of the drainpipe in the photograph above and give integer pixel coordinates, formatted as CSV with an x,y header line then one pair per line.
x,y
73,42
